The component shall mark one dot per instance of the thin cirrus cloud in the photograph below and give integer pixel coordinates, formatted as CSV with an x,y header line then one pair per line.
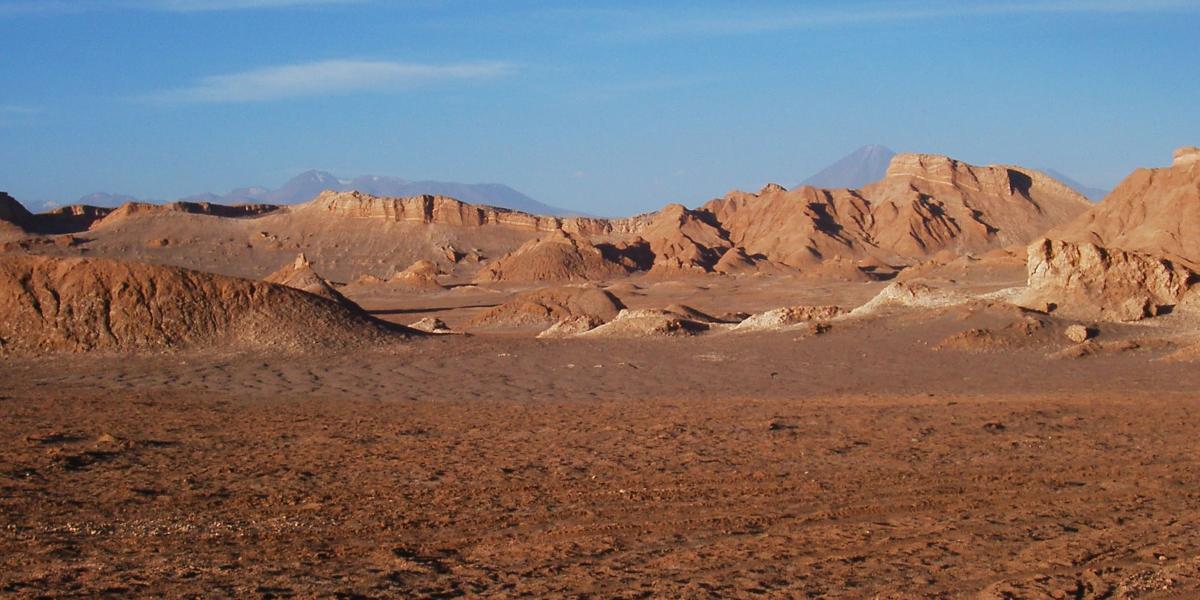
x,y
327,78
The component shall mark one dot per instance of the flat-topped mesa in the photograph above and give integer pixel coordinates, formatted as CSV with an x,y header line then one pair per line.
x,y
928,203
133,209
994,179
443,210
1188,155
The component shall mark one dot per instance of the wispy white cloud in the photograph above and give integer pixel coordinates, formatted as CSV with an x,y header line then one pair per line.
x,y
744,19
326,78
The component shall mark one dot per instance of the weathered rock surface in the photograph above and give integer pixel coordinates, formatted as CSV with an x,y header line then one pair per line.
x,y
927,203
300,275
1153,212
1089,281
788,316
648,323
1078,333
74,304
431,325
902,294
137,209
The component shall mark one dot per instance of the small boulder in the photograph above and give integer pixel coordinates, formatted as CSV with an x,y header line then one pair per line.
x,y
1078,333
431,325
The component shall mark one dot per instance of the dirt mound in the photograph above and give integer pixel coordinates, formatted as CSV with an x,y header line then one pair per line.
x,y
75,305
1087,281
1153,211
559,256
300,275
902,294
787,317
421,275
648,323
1029,330
550,305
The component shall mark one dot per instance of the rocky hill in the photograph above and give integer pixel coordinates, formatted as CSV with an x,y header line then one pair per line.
x,y
1132,256
86,304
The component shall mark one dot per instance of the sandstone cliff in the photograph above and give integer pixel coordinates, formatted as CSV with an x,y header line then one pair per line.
x,y
1083,280
1153,211
1134,255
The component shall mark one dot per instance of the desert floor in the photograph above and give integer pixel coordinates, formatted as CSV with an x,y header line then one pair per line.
x,y
860,463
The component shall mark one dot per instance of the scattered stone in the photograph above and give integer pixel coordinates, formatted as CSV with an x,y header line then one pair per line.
x,y
431,325
785,317
1078,333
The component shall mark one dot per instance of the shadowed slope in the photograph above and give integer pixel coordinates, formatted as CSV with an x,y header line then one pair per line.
x,y
75,304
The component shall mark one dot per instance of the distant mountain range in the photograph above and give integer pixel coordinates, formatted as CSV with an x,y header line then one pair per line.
x,y
1094,194
870,163
307,185
861,167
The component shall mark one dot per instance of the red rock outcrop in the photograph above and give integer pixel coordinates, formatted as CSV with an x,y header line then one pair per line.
x,y
1130,257
1087,281
927,203
797,228
448,211
683,240
1153,211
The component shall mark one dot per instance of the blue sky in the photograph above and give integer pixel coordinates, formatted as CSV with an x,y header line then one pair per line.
x,y
605,107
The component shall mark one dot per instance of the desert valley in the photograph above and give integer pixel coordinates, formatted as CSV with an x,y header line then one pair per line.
x,y
955,381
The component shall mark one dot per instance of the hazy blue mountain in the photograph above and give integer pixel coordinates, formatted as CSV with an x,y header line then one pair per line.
x,y
1093,193
865,165
307,185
